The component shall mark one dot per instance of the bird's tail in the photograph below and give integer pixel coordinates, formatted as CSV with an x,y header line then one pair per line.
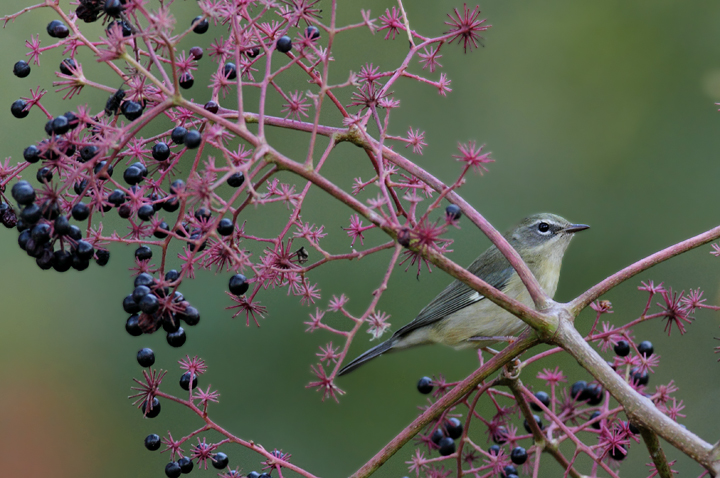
x,y
368,355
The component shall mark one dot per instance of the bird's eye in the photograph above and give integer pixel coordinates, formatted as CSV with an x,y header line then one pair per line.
x,y
543,227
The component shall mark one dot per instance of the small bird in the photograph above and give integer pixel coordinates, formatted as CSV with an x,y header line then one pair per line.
x,y
461,318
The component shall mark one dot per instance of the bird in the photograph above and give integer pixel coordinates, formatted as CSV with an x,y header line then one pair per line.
x,y
461,317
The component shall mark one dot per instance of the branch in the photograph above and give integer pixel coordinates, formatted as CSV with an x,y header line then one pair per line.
x,y
638,408
524,342
642,265
656,453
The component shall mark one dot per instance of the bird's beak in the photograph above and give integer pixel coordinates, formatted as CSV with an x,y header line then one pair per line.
x,y
573,228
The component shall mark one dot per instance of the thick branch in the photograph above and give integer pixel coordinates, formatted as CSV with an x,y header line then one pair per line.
x,y
638,408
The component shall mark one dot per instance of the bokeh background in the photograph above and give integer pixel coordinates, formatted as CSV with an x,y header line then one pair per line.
x,y
603,112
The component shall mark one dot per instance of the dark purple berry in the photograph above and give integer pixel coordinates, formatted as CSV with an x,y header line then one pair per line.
x,y
447,446
146,357
518,455
132,326
618,453
225,227
31,154
425,385
577,391
129,304
284,44
161,151
238,284
149,304
454,428
220,460
146,212
143,279
185,381
84,250
172,470
62,226
23,192
18,109
200,24
113,7
178,135
186,464
67,66
186,81
312,32
594,394
640,378
102,171
622,348
236,180
57,29
597,425
192,139
646,348
143,253
196,52
539,422
21,69
154,410
190,315
152,442
117,197
44,175
177,339
161,232
102,257
453,212
230,71
87,153
544,399
132,110
31,214
212,107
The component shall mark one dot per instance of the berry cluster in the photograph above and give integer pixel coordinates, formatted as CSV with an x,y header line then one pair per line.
x,y
202,452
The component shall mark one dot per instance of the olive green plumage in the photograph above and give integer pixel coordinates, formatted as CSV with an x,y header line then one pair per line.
x,y
460,317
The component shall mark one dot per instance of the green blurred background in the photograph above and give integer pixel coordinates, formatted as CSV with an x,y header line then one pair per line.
x,y
602,112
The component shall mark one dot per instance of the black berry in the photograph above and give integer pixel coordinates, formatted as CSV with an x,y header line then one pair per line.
x,y
185,381
230,71
132,327
225,227
18,109
539,422
161,151
454,428
23,193
544,398
149,304
44,175
577,391
190,315
641,378
102,171
186,464
178,135
236,180
594,394
114,7
21,69
129,305
200,25
425,385
31,154
88,152
284,44
645,348
312,32
143,253
193,138
143,279
220,460
154,410
176,339
172,470
146,357
57,29
132,110
212,107
146,212
518,455
618,453
152,442
622,348
597,425
186,81
67,66
102,257
238,284
453,212
447,446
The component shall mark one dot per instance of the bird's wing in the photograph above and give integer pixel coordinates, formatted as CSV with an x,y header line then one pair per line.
x,y
494,270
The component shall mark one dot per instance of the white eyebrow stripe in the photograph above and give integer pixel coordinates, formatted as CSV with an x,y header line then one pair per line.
x,y
476,297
